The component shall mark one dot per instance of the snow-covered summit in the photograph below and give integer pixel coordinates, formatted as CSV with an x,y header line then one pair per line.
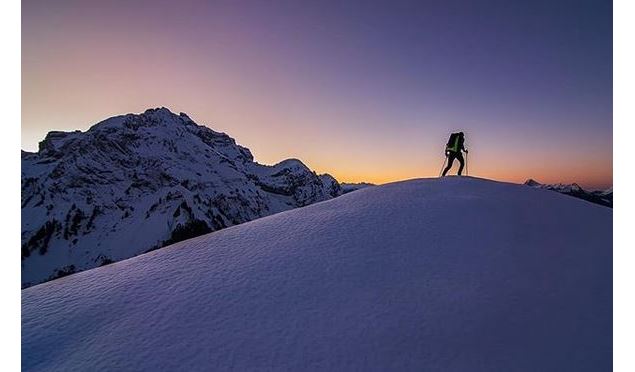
x,y
133,183
451,274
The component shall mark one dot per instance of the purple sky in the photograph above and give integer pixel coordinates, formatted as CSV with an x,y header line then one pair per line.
x,y
365,90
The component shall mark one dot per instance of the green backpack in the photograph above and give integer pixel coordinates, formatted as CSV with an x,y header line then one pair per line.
x,y
453,143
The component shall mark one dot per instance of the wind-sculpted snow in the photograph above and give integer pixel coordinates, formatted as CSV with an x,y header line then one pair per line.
x,y
134,183
453,274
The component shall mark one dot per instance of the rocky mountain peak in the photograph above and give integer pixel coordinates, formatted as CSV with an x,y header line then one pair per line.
x,y
136,182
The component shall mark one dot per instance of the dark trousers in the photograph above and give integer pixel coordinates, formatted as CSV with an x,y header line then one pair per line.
x,y
454,155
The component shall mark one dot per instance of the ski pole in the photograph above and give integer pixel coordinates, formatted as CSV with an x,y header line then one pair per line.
x,y
467,172
443,166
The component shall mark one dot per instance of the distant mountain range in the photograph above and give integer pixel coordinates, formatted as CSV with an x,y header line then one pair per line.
x,y
135,183
348,187
604,197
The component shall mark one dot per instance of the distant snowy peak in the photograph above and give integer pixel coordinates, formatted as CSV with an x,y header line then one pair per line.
x,y
119,133
561,187
136,182
533,183
604,198
349,187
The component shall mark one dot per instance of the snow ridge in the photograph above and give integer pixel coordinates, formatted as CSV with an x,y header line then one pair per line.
x,y
134,183
450,274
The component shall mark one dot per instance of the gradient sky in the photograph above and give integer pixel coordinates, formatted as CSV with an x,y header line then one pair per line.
x,y
364,90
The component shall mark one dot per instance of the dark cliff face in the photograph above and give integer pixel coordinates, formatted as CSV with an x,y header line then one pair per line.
x,y
135,183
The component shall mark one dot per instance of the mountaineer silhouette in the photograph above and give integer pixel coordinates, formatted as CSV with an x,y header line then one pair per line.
x,y
456,144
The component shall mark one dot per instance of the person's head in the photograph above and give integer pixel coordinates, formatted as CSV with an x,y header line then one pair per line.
x,y
461,134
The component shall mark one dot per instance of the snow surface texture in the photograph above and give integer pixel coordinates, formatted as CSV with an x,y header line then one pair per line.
x,y
134,183
451,274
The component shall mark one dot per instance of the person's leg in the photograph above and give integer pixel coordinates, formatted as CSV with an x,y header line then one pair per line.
x,y
459,157
450,161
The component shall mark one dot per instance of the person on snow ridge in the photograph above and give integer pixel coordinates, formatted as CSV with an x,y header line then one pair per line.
x,y
453,149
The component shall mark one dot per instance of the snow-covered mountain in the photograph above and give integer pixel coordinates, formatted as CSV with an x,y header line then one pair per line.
x,y
449,274
348,187
134,183
604,197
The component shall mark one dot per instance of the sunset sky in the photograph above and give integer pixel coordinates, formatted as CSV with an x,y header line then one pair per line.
x,y
363,90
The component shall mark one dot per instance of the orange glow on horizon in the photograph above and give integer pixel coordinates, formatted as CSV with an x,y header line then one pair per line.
x,y
342,108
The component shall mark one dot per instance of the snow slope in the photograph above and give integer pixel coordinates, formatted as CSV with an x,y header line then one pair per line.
x,y
452,274
135,183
